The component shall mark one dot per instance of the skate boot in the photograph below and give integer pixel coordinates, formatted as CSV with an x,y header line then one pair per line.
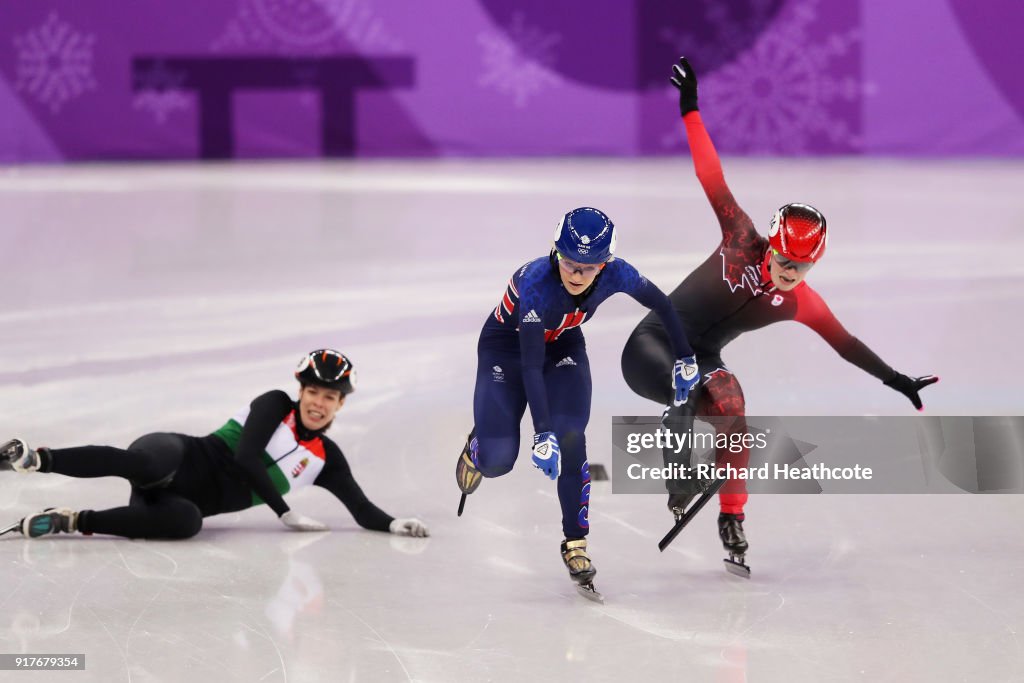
x,y
730,530
467,475
581,569
50,521
16,455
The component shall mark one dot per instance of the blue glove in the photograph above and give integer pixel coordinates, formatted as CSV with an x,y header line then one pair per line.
x,y
547,455
684,378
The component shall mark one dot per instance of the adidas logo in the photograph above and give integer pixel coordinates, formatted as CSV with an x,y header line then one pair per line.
x,y
565,361
531,317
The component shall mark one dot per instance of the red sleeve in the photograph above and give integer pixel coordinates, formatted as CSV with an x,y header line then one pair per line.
x,y
735,223
811,310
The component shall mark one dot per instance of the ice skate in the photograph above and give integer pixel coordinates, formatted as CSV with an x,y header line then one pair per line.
x,y
467,476
16,455
50,521
581,569
678,502
730,530
684,509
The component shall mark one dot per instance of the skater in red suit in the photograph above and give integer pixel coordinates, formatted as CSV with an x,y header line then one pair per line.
x,y
748,282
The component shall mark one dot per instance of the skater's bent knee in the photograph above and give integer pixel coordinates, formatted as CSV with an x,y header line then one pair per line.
x,y
570,439
496,456
186,527
495,469
180,520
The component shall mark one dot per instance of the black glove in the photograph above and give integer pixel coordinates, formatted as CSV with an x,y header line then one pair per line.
x,y
685,79
909,386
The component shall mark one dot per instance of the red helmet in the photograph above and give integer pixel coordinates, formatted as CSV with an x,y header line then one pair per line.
x,y
798,233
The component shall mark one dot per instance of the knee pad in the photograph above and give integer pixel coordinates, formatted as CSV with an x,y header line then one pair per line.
x,y
496,457
498,470
572,440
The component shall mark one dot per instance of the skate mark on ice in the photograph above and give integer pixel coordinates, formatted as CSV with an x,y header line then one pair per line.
x,y
261,631
494,526
623,523
74,601
478,636
381,638
124,561
145,608
674,637
502,563
117,644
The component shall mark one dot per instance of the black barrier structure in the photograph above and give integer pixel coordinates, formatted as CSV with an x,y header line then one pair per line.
x,y
337,79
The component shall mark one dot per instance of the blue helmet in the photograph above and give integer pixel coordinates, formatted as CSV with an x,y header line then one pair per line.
x,y
585,235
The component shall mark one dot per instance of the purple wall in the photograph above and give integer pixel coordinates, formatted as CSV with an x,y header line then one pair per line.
x,y
308,78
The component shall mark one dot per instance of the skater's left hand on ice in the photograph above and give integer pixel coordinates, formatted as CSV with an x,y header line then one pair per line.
x,y
547,455
293,520
684,377
910,386
409,526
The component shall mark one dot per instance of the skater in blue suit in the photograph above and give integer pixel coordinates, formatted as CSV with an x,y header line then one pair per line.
x,y
532,352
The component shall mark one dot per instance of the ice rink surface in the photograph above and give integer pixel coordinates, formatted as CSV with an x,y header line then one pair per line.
x,y
164,298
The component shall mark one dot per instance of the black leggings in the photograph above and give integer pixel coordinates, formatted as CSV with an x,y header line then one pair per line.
x,y
157,507
647,360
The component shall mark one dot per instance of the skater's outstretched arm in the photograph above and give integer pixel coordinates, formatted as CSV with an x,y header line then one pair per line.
x,y
815,313
547,454
336,477
649,295
646,293
731,218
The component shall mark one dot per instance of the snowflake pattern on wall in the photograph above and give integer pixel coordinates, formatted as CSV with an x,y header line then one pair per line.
x,y
54,63
306,27
519,62
734,24
780,94
158,91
